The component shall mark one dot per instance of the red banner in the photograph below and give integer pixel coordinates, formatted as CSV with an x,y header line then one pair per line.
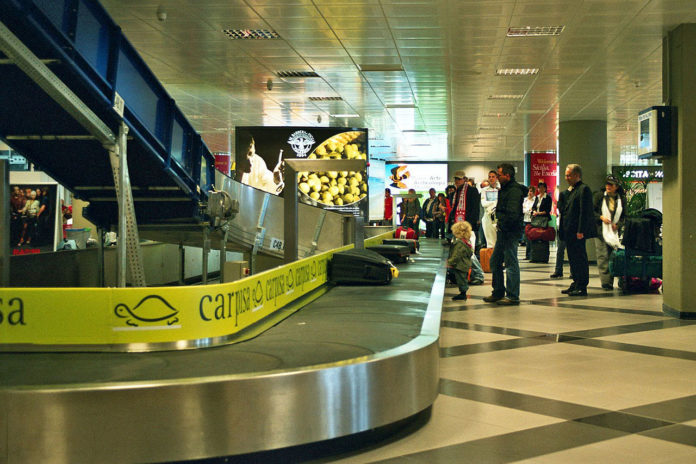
x,y
223,162
543,168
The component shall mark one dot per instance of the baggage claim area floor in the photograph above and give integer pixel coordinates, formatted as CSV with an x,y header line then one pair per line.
x,y
556,379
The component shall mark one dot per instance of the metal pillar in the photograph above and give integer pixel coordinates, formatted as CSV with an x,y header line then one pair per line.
x,y
290,214
128,248
5,206
223,252
206,251
100,255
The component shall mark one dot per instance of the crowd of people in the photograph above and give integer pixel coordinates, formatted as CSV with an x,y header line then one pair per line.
x,y
30,216
495,216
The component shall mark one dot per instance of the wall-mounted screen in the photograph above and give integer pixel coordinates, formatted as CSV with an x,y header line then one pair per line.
x,y
418,176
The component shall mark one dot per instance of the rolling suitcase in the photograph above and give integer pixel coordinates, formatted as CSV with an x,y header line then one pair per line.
x,y
486,259
412,244
539,251
394,253
361,267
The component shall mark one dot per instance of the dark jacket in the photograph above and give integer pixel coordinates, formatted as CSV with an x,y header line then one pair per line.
x,y
429,207
598,200
577,215
473,204
508,210
544,207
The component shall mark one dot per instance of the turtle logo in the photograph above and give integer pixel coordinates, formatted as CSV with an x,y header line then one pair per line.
x,y
290,279
258,293
152,308
301,142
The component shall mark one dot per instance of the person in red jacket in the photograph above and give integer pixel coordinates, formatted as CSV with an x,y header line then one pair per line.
x,y
388,206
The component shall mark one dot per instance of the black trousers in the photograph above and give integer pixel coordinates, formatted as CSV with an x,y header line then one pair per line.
x,y
430,229
579,265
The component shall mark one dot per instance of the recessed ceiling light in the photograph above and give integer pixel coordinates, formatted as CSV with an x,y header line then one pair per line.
x,y
325,99
517,71
505,97
381,67
237,34
534,31
400,105
296,74
346,115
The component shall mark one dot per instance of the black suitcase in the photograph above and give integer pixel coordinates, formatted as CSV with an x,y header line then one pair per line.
x,y
360,267
412,244
394,253
539,251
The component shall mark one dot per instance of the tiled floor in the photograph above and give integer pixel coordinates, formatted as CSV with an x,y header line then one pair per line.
x,y
606,378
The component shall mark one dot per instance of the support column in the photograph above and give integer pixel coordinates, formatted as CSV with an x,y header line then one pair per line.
x,y
679,208
584,143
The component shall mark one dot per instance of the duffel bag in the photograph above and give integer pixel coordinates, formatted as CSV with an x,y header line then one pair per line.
x,y
547,234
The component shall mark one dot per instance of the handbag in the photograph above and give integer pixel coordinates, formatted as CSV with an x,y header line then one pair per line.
x,y
540,221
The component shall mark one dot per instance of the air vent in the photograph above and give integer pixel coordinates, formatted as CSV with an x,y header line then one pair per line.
x,y
381,67
252,34
319,99
505,97
296,74
414,131
534,31
491,128
517,71
497,115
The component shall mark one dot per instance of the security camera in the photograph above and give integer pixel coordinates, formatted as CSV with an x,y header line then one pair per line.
x,y
161,14
269,84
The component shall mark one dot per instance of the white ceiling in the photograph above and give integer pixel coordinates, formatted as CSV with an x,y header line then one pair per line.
x,y
606,65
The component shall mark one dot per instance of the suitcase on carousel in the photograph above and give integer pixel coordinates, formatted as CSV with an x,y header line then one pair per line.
x,y
485,259
539,251
412,244
394,253
354,267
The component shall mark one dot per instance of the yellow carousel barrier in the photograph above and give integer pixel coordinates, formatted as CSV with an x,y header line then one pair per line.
x,y
156,318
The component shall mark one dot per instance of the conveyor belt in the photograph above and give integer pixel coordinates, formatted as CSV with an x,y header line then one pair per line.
x,y
355,359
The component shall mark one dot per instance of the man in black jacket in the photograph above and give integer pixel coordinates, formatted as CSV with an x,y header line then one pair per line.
x,y
467,202
508,212
577,225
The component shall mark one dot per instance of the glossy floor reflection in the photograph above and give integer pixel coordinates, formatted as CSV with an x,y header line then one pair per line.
x,y
558,379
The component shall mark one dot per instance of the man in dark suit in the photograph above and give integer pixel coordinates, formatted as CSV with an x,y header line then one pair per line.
x,y
467,202
577,225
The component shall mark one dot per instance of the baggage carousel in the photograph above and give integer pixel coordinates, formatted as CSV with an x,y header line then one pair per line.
x,y
355,359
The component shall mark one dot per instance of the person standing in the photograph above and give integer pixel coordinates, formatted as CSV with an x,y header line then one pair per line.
x,y
467,201
527,205
459,260
410,211
489,198
428,213
508,212
441,213
577,225
609,211
560,243
388,207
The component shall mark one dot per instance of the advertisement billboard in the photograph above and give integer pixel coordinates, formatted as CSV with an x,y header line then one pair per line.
x,y
418,176
260,153
543,167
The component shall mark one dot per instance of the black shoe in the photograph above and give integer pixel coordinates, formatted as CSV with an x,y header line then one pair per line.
x,y
568,290
607,287
492,299
461,296
508,302
556,275
577,293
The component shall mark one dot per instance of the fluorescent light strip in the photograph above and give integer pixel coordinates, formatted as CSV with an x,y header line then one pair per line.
x,y
505,97
246,34
491,128
381,67
497,115
347,115
517,71
534,31
400,105
418,131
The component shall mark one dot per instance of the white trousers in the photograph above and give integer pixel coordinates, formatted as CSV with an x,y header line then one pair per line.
x,y
489,230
